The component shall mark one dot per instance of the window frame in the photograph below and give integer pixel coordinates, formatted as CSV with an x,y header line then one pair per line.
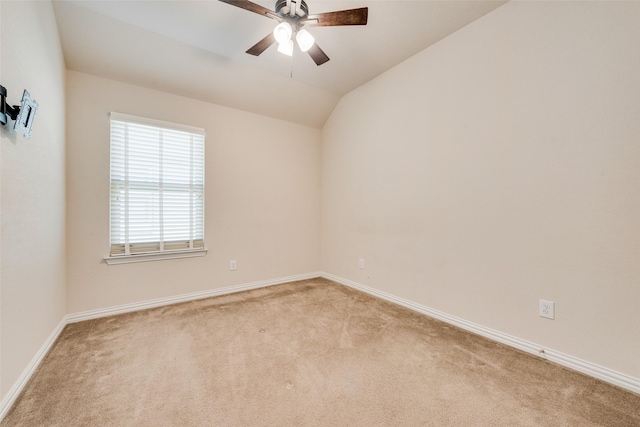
x,y
160,253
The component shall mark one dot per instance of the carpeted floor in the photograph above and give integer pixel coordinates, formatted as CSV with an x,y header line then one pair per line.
x,y
310,353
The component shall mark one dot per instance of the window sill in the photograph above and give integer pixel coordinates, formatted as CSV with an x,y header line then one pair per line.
x,y
156,256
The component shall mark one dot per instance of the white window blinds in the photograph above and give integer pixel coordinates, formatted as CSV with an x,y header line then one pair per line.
x,y
157,186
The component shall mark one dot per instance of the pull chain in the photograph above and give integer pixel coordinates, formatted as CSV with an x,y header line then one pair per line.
x,y
291,70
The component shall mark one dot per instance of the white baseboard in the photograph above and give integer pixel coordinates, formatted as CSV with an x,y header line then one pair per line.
x,y
588,368
616,378
159,302
15,391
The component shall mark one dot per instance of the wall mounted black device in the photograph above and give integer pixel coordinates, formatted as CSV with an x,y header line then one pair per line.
x,y
22,114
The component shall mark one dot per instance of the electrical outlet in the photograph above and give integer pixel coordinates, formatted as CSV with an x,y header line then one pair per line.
x,y
361,263
547,309
233,265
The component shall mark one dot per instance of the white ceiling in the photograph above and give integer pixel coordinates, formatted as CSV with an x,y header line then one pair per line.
x,y
197,49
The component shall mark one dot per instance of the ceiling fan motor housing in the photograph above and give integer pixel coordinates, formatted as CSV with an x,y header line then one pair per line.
x,y
293,9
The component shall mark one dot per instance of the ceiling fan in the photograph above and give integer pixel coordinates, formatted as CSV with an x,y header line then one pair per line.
x,y
292,16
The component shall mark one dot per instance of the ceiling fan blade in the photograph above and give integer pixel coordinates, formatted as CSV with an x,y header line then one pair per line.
x,y
317,54
341,17
252,7
262,45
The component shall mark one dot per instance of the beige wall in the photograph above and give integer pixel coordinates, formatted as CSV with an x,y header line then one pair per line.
x,y
498,167
495,168
32,233
262,197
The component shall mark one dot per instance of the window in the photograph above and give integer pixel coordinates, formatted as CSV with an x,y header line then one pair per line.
x,y
157,190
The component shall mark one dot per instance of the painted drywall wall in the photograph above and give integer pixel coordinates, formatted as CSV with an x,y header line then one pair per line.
x,y
2,394
32,233
498,167
261,203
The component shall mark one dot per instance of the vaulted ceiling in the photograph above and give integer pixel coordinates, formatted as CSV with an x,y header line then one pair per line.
x,y
197,49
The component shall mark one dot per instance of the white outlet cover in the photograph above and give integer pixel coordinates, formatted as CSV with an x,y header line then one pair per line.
x,y
547,309
233,265
361,263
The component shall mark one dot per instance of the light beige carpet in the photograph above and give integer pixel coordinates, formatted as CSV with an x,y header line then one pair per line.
x,y
311,353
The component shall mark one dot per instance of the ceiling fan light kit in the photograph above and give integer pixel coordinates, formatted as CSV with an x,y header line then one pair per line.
x,y
293,15
282,32
305,40
286,48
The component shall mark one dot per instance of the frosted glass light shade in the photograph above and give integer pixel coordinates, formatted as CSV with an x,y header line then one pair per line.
x,y
282,32
286,48
305,40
